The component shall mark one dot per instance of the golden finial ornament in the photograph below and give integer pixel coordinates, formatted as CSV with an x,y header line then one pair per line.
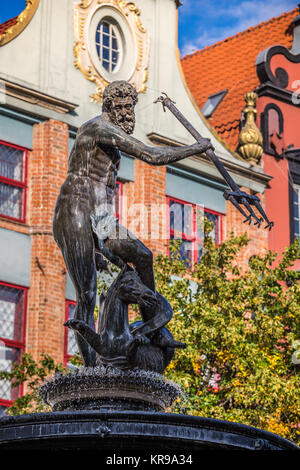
x,y
250,138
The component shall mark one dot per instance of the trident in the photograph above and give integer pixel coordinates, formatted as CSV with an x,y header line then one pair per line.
x,y
235,196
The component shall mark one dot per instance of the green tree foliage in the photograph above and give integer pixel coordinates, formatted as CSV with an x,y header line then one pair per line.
x,y
241,330
33,374
242,333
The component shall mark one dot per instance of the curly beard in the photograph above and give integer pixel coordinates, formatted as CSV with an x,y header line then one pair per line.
x,y
126,123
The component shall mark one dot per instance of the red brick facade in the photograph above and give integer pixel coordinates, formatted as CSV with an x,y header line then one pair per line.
x,y
148,204
46,300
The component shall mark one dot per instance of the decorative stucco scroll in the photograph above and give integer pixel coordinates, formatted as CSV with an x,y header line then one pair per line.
x,y
86,60
21,21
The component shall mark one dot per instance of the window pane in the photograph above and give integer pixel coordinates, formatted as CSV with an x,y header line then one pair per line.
x,y
273,122
117,202
105,53
98,36
212,102
176,216
72,347
105,27
295,195
105,40
11,313
215,218
296,200
297,228
200,222
188,213
296,211
181,218
214,234
199,251
11,201
185,252
11,163
108,44
2,411
114,43
115,56
7,357
105,64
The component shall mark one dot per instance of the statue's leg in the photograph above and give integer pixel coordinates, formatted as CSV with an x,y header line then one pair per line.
x,y
130,249
75,239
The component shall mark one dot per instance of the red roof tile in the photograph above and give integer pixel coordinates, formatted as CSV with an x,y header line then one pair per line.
x,y
7,24
230,64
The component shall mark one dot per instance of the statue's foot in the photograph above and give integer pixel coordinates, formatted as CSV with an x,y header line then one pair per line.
x,y
165,340
171,343
177,344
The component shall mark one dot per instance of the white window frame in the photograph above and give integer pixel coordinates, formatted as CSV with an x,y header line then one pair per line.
x,y
296,190
113,33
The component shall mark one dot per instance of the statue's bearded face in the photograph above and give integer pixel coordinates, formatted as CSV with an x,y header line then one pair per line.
x,y
122,113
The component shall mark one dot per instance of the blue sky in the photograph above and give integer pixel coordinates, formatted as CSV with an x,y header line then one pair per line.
x,y
10,9
202,22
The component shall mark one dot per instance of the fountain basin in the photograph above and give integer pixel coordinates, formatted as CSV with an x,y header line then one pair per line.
x,y
132,431
109,388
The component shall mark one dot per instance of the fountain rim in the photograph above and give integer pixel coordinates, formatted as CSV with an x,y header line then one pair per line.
x,y
157,421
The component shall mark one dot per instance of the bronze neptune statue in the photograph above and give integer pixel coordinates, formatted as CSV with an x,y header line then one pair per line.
x,y
85,229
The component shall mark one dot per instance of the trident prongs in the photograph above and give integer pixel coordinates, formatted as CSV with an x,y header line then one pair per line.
x,y
237,197
240,197
163,100
251,211
269,225
248,219
230,197
264,217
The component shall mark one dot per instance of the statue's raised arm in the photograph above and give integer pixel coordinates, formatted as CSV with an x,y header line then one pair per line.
x,y
109,130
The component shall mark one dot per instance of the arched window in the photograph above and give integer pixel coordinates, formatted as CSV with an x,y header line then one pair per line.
x,y
109,44
272,130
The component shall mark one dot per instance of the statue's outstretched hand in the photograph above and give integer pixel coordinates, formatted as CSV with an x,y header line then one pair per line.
x,y
74,324
203,145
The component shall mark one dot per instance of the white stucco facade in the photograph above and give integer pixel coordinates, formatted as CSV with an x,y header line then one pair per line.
x,y
41,58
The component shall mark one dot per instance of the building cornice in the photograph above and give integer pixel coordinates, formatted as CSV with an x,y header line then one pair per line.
x,y
162,140
292,154
29,95
278,93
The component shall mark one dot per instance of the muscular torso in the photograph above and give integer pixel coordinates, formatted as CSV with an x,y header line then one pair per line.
x,y
92,171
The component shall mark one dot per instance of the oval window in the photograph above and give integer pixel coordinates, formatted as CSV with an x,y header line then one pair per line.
x,y
109,45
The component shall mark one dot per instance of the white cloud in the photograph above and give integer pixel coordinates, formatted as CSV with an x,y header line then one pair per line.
x,y
220,19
